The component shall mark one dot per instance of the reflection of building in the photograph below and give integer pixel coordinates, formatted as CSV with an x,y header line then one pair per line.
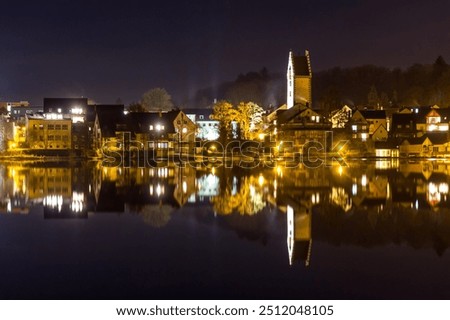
x,y
297,192
13,191
299,238
62,190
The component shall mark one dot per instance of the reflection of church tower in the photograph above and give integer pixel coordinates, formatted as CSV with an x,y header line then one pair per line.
x,y
299,240
299,77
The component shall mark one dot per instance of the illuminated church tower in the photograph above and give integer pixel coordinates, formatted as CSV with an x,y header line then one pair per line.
x,y
299,77
299,238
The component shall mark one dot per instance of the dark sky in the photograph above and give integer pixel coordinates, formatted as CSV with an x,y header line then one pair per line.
x,y
105,50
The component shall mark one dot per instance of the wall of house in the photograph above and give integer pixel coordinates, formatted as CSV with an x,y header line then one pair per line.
x,y
302,93
380,134
49,134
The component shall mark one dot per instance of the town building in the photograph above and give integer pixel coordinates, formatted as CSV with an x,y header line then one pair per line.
x,y
297,126
207,128
168,132
365,123
20,112
49,132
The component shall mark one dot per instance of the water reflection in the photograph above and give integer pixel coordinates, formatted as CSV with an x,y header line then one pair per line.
x,y
365,204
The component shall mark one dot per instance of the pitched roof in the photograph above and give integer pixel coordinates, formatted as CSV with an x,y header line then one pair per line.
x,y
285,116
389,144
301,65
139,122
416,141
403,118
373,114
110,117
199,111
438,138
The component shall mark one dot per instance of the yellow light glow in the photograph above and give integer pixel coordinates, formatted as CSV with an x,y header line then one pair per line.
x,y
279,171
261,180
364,180
261,136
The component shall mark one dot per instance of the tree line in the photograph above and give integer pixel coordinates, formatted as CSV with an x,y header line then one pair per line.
x,y
368,85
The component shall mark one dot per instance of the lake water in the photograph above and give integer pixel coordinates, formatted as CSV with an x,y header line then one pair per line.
x,y
367,230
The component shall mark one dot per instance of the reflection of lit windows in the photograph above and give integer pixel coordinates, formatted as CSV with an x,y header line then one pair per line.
x,y
354,189
163,172
435,192
159,190
53,201
341,198
77,201
364,180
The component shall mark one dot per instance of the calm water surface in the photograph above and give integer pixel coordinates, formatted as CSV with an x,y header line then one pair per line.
x,y
370,230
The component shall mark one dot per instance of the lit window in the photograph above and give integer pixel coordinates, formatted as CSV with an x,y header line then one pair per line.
x,y
354,127
151,127
75,110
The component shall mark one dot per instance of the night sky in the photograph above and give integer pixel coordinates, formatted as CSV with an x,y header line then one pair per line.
x,y
105,50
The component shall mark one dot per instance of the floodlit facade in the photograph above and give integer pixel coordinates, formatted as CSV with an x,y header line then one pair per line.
x,y
299,77
51,132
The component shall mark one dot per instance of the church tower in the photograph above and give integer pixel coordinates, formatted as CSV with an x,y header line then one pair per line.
x,y
299,76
